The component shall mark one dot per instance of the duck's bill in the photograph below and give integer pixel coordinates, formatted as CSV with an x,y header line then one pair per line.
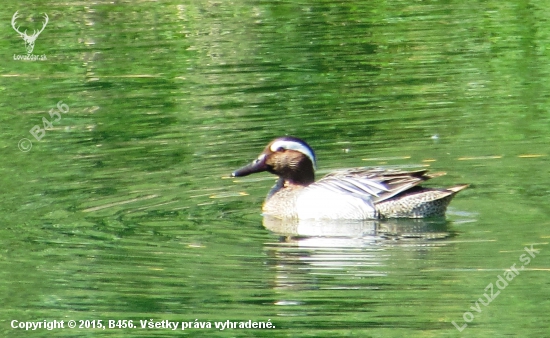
x,y
256,166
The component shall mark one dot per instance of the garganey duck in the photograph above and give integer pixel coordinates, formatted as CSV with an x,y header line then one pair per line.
x,y
352,194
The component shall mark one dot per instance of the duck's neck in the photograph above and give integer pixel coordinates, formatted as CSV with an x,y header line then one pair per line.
x,y
297,173
302,181
305,175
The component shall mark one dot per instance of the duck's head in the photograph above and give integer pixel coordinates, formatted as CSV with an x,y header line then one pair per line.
x,y
288,157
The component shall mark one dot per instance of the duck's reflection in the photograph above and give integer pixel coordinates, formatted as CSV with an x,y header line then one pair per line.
x,y
350,255
365,230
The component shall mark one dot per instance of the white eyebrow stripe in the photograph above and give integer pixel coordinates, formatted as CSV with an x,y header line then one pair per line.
x,y
292,145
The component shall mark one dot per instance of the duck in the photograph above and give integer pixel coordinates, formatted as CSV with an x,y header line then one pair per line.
x,y
347,194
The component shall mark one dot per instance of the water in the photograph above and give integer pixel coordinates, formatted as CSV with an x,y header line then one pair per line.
x,y
123,211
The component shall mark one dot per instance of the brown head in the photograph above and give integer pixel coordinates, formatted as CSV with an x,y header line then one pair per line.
x,y
288,157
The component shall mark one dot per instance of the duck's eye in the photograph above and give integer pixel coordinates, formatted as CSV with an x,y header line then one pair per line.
x,y
280,149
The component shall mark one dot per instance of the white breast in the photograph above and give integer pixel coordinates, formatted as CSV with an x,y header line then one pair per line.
x,y
319,203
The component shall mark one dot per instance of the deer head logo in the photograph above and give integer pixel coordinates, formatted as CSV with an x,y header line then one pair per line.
x,y
29,39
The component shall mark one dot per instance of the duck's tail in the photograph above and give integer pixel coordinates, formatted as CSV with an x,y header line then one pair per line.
x,y
458,188
422,203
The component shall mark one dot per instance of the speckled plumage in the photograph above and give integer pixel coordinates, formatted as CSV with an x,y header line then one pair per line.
x,y
346,194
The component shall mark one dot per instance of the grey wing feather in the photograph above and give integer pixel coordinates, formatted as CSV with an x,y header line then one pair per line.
x,y
376,184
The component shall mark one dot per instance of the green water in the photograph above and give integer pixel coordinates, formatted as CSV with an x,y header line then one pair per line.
x,y
123,209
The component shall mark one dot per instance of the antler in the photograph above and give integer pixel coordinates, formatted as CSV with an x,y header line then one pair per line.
x,y
35,34
43,26
13,18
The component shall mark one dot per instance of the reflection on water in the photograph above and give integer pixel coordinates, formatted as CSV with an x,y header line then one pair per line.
x,y
348,249
395,229
353,262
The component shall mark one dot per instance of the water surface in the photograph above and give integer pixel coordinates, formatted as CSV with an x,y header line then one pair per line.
x,y
123,211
